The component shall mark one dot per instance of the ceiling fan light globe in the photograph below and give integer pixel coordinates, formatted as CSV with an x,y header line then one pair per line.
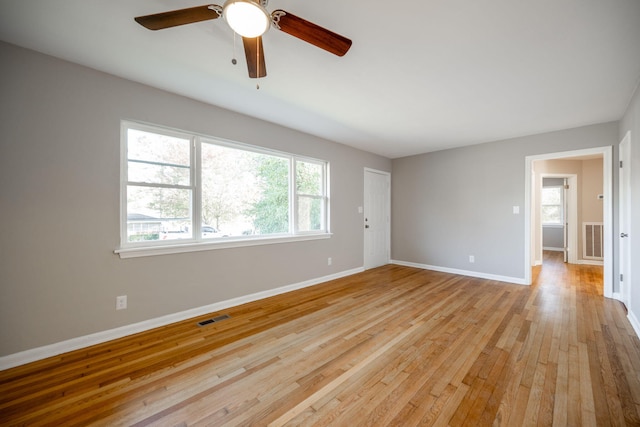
x,y
247,18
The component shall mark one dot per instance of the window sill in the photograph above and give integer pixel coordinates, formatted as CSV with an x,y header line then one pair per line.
x,y
135,252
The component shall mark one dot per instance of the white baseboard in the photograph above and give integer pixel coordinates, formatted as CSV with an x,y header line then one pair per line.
x,y
589,262
516,280
43,352
632,318
634,322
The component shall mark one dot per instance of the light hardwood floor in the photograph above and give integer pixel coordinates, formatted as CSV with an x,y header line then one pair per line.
x,y
391,346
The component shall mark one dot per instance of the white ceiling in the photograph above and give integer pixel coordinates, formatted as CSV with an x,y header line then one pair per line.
x,y
421,76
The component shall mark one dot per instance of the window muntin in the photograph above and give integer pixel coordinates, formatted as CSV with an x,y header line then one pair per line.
x,y
552,205
184,188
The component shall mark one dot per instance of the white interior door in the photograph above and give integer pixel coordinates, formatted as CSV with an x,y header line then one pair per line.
x,y
625,215
376,225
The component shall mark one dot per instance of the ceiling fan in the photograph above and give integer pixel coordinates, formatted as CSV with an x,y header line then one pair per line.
x,y
250,19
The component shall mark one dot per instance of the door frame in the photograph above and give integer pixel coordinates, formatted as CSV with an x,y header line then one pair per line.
x,y
388,214
607,214
570,216
624,219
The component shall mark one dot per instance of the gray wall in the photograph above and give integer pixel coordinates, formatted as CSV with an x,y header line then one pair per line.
x,y
59,168
552,237
450,204
552,182
631,122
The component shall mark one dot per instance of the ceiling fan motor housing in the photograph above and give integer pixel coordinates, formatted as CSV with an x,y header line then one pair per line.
x,y
246,17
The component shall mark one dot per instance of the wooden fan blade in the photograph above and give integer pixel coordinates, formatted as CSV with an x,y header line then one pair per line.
x,y
254,53
174,18
311,33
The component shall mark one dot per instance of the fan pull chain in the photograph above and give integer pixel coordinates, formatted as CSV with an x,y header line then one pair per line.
x,y
233,60
257,62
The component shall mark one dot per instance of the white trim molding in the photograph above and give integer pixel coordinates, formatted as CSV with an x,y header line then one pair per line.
x,y
593,262
515,280
55,349
207,246
634,322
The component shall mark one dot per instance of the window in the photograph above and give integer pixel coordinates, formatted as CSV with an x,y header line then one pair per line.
x,y
182,189
552,206
310,191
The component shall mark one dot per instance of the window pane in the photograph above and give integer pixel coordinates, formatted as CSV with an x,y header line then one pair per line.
x,y
309,178
310,214
551,201
243,193
158,213
158,159
551,214
551,196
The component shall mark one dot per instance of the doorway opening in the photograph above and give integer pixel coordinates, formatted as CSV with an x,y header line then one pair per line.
x,y
558,213
535,167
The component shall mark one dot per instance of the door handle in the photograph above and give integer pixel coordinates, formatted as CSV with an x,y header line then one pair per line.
x,y
366,226
624,235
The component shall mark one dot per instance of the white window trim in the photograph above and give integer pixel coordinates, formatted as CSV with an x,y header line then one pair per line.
x,y
135,252
196,244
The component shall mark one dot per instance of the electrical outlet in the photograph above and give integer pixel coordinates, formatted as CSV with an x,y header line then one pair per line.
x,y
472,259
329,261
121,302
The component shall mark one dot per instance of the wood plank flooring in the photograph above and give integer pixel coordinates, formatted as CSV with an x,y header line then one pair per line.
x,y
393,346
